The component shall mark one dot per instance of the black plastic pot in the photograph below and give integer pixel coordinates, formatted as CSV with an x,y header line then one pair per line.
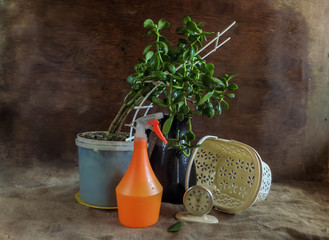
x,y
169,165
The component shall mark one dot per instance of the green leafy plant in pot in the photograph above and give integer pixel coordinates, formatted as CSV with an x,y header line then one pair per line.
x,y
184,85
178,80
184,82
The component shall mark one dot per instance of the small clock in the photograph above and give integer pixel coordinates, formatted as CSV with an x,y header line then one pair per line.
x,y
198,201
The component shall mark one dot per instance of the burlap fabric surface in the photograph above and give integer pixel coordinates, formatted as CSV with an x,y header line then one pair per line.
x,y
38,203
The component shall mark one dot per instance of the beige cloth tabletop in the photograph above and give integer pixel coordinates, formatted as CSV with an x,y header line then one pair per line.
x,y
38,203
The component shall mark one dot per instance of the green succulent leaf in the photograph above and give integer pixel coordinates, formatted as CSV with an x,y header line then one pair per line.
x,y
180,117
167,125
177,87
158,101
230,76
179,98
205,97
192,53
155,62
181,30
189,136
163,38
184,109
226,105
176,227
149,55
201,24
157,75
187,19
150,32
230,95
171,68
210,68
147,48
209,112
162,23
186,54
192,27
219,109
164,47
208,33
148,23
232,86
136,87
139,67
218,81
208,82
132,79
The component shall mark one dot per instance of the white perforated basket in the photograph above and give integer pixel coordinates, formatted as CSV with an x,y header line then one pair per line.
x,y
233,171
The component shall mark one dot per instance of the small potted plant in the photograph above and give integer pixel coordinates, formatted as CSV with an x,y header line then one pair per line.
x,y
177,79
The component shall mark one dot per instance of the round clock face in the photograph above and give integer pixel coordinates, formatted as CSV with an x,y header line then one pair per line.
x,y
198,200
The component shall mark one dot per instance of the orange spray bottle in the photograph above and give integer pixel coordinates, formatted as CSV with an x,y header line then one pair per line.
x,y
139,192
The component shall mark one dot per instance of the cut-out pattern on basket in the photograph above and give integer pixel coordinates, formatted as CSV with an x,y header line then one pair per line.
x,y
205,163
225,199
229,170
266,182
223,169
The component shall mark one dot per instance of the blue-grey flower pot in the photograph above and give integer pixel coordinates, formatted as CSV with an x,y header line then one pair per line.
x,y
102,165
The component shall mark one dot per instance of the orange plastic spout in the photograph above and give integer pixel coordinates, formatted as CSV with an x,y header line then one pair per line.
x,y
139,193
155,124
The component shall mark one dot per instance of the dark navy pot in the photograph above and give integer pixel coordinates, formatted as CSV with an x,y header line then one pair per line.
x,y
170,165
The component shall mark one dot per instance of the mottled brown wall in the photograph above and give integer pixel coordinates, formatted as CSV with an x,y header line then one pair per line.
x,y
63,66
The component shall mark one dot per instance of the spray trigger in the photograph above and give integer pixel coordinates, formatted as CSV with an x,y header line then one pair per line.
x,y
155,124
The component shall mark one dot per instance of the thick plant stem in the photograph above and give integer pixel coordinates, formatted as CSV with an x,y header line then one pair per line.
x,y
125,109
122,114
138,101
119,120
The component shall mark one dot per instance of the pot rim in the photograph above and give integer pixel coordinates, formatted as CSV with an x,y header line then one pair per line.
x,y
96,145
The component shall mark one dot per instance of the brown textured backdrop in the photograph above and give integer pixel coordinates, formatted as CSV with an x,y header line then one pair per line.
x,y
63,66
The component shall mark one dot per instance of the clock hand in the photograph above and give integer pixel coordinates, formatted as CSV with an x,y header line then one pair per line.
x,y
199,196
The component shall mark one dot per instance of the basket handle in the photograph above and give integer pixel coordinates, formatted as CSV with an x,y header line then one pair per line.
x,y
190,163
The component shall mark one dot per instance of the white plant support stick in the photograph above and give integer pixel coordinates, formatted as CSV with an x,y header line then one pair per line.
x,y
216,48
131,137
216,38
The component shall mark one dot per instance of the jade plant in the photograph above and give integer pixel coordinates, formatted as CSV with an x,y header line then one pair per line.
x,y
177,78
